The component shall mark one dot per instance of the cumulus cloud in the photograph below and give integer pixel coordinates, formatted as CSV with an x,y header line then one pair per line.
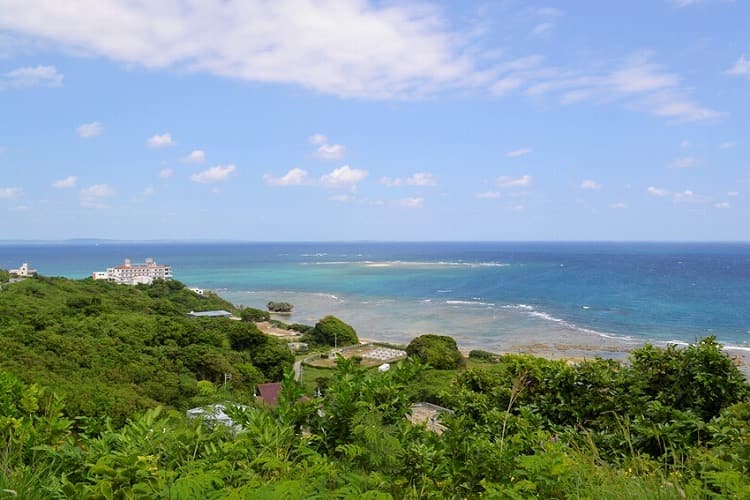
x,y
349,49
10,193
216,173
343,178
740,68
727,145
418,179
518,152
160,140
410,202
195,156
686,196
295,177
685,162
590,184
487,195
510,182
166,173
88,130
94,196
66,183
655,191
149,191
317,139
618,205
38,76
330,151
722,204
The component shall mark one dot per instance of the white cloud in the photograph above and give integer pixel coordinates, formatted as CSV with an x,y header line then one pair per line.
x,y
166,173
21,208
88,130
39,76
542,28
618,205
638,83
684,144
740,68
487,195
10,193
688,196
195,156
295,177
343,177
654,191
722,204
421,179
733,193
93,196
343,198
330,152
590,184
727,145
410,202
68,182
518,152
685,162
160,140
317,139
216,173
508,182
349,49
149,191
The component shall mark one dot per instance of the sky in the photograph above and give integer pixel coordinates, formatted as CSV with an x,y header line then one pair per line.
x,y
318,120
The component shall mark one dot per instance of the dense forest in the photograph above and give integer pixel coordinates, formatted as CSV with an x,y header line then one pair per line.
x,y
95,379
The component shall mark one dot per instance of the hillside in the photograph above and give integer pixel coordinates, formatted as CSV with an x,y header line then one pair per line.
x,y
112,350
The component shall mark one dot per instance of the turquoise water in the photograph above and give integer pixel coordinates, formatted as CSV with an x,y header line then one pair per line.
x,y
501,296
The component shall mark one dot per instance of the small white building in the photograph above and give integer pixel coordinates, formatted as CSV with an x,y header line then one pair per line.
x,y
133,274
24,271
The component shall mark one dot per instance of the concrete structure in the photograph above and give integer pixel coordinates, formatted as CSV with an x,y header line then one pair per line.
x,y
24,271
428,414
209,314
134,274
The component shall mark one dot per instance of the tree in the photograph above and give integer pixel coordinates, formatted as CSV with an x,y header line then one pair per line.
x,y
254,315
245,336
439,351
332,331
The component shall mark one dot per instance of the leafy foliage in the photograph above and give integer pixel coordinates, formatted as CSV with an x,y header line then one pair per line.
x,y
113,350
332,331
439,351
254,315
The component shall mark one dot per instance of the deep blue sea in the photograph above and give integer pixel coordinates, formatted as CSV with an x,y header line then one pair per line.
x,y
498,296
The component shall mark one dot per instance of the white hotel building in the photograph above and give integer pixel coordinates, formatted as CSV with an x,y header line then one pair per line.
x,y
133,274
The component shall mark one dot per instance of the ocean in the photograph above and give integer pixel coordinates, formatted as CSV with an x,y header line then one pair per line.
x,y
573,299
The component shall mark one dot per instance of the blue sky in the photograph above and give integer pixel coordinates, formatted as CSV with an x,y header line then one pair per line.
x,y
362,120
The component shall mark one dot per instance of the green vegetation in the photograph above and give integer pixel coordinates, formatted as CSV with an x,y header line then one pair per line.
x,y
254,315
523,427
4,276
93,375
112,350
280,307
438,351
332,331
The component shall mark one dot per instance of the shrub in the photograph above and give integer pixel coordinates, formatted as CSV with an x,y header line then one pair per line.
x,y
254,315
332,331
439,351
484,356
